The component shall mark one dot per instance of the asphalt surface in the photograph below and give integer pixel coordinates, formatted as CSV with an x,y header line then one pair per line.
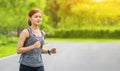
x,y
74,56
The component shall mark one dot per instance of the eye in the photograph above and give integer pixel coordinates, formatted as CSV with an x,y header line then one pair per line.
x,y
36,16
40,16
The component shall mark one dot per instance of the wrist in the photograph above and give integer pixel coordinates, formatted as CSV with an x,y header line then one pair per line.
x,y
48,51
32,46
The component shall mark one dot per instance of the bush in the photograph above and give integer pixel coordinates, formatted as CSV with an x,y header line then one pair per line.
x,y
7,39
3,39
80,33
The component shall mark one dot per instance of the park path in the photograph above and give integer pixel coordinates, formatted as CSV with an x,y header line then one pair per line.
x,y
74,56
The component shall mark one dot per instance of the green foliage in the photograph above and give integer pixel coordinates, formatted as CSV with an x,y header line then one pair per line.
x,y
14,14
77,14
62,14
4,40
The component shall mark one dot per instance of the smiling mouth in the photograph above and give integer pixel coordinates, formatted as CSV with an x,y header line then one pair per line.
x,y
38,21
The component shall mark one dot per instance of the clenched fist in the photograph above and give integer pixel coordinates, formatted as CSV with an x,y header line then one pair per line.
x,y
53,50
37,44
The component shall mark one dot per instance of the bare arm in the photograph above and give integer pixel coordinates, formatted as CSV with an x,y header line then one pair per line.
x,y
23,36
44,51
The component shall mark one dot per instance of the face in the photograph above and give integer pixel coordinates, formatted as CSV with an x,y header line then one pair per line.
x,y
36,18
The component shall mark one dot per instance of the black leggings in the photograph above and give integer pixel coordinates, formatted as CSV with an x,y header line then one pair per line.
x,y
28,68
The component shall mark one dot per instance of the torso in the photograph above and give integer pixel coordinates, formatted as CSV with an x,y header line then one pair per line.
x,y
33,58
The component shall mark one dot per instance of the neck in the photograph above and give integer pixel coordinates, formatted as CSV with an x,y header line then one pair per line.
x,y
34,27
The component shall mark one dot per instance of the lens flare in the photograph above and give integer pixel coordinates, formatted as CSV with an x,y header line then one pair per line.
x,y
98,0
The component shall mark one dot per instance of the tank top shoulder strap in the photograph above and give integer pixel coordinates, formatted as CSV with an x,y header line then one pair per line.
x,y
42,32
30,31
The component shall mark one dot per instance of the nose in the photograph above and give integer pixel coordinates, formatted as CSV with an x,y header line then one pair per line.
x,y
38,18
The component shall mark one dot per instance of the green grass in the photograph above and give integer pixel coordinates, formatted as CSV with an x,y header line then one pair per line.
x,y
81,40
8,49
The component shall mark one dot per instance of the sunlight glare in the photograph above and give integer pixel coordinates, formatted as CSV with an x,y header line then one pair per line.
x,y
98,0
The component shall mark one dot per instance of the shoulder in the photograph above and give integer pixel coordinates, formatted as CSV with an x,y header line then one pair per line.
x,y
24,32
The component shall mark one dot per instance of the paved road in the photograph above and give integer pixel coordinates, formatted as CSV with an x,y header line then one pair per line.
x,y
90,56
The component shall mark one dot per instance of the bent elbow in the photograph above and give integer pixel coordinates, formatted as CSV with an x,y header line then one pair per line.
x,y
18,52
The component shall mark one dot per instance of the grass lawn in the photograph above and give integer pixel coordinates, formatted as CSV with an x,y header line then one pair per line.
x,y
6,50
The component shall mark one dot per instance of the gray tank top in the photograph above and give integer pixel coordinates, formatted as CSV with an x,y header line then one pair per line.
x,y
32,58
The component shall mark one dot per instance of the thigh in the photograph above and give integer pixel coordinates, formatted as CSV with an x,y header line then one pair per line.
x,y
25,68
41,68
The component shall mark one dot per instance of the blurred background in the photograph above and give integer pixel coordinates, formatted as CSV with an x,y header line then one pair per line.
x,y
79,19
86,33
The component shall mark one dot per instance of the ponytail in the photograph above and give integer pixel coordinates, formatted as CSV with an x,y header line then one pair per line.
x,y
29,22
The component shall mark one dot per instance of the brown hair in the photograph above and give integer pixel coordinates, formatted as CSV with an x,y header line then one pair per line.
x,y
32,12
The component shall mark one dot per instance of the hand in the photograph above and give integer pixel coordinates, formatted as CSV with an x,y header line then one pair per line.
x,y
37,44
53,50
